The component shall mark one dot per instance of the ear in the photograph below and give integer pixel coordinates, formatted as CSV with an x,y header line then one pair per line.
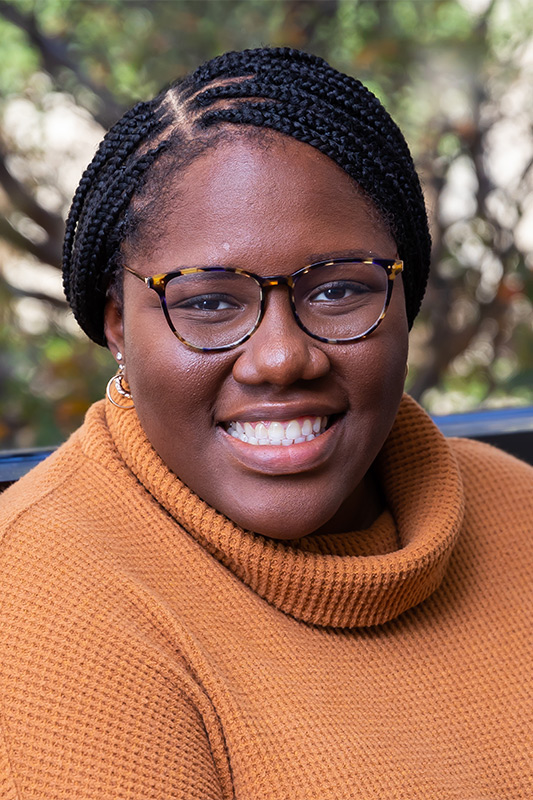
x,y
114,326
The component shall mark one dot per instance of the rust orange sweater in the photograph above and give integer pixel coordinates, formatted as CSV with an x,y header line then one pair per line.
x,y
152,650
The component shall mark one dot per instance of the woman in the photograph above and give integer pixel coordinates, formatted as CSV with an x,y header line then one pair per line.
x,y
258,571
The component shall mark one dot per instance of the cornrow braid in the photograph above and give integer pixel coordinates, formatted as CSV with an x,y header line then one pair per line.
x,y
101,198
282,89
308,100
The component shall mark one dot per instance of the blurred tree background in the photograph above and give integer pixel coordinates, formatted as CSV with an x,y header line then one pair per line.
x,y
456,74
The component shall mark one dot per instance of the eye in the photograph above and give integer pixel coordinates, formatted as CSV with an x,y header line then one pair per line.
x,y
340,290
209,302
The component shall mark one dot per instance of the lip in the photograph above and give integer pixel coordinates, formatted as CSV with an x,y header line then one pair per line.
x,y
280,412
282,459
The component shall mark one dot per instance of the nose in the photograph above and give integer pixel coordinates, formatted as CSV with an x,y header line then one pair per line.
x,y
280,352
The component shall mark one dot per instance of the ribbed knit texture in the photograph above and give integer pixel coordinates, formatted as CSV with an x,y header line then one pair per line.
x,y
151,649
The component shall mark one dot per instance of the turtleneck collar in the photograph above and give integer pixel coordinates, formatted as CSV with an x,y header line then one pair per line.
x,y
358,579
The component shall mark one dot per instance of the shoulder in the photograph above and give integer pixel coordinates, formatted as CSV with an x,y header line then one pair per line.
x,y
498,502
490,468
54,520
495,482
86,642
60,483
44,480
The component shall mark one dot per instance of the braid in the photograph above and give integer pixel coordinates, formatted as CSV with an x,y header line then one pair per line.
x,y
103,194
305,98
294,93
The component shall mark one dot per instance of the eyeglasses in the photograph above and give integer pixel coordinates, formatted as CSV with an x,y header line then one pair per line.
x,y
217,308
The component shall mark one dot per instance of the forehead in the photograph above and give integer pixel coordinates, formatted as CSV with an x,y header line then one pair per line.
x,y
267,203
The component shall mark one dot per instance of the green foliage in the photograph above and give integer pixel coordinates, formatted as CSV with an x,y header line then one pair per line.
x,y
47,382
446,73
18,63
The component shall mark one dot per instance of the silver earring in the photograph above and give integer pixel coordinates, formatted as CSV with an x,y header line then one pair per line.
x,y
121,386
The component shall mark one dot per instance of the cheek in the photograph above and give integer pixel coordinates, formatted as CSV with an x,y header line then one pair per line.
x,y
173,387
374,377
377,369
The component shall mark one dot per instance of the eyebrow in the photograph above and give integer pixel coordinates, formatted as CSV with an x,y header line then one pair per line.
x,y
364,254
311,259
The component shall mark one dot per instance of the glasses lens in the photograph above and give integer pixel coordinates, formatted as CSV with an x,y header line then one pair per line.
x,y
341,301
213,309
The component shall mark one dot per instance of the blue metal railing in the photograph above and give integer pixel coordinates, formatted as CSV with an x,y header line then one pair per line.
x,y
511,429
15,463
489,422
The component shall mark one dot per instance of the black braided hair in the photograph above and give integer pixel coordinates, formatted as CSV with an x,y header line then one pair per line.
x,y
285,90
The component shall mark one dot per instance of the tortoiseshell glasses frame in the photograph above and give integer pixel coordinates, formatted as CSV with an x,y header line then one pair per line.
x,y
159,283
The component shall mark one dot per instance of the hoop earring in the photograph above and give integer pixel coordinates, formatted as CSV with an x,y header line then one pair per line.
x,y
117,380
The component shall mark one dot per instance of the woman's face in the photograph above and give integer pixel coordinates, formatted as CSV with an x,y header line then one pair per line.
x,y
270,207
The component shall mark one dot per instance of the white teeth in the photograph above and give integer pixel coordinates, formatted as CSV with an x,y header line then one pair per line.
x,y
278,433
275,431
293,430
261,431
249,431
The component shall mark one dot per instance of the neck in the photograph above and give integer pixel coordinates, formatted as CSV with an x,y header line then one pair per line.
x,y
359,511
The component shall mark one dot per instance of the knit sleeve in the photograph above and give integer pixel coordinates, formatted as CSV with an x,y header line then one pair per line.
x,y
8,787
96,701
96,748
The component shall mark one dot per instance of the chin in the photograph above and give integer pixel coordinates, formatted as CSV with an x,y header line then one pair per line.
x,y
282,528
285,536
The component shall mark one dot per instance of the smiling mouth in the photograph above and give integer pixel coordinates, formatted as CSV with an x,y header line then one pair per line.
x,y
278,432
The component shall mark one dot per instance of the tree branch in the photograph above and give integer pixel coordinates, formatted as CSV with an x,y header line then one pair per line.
x,y
55,302
49,251
54,54
23,201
